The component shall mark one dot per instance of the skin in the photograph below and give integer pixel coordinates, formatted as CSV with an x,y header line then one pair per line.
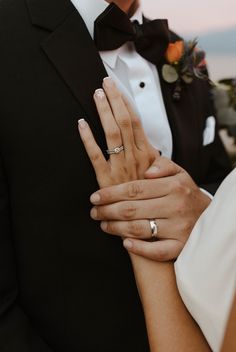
x,y
170,327
125,210
130,196
138,155
169,324
229,344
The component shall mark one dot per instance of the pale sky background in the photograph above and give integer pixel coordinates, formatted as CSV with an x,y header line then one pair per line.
x,y
193,16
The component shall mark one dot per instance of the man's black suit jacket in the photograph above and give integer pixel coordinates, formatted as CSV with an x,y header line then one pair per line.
x,y
64,285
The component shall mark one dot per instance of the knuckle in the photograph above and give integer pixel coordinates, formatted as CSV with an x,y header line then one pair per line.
x,y
102,213
105,194
113,133
129,211
136,228
187,191
136,123
177,186
134,189
124,121
95,157
111,227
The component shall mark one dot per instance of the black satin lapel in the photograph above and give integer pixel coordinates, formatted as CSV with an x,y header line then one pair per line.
x,y
74,55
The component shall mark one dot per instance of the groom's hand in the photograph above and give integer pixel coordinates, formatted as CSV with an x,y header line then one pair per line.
x,y
168,195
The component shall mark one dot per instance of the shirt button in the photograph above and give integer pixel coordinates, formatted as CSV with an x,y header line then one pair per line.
x,y
142,84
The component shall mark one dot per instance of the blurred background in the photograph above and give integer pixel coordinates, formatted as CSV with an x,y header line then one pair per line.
x,y
213,22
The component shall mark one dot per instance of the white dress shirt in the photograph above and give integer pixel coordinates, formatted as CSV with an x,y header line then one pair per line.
x,y
131,72
206,268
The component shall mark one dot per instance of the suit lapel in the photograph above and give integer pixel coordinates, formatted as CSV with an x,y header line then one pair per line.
x,y
182,116
71,50
184,123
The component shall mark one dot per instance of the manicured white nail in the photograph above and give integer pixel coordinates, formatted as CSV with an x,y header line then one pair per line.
x,y
82,123
99,93
95,198
108,82
128,244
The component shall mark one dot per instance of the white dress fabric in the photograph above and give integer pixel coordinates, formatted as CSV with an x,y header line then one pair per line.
x,y
206,269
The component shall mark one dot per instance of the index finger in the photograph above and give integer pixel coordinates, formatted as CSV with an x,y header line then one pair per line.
x,y
134,190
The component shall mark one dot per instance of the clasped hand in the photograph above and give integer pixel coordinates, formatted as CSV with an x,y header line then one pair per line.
x,y
137,184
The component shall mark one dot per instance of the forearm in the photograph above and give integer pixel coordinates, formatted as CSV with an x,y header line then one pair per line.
x,y
169,324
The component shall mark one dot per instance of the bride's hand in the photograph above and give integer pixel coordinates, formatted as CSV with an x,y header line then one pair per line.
x,y
122,127
168,195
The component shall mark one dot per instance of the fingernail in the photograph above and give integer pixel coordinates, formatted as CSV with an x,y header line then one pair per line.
x,y
99,93
82,123
94,213
104,225
128,244
153,170
108,82
95,198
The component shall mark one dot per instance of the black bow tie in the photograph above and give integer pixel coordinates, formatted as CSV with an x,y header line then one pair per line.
x,y
113,28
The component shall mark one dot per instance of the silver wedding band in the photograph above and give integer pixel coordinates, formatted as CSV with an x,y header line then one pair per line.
x,y
115,150
154,229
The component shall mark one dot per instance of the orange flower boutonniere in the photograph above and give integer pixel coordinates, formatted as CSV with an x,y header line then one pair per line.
x,y
175,52
184,62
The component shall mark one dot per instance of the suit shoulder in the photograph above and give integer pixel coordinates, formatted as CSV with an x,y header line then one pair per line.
x,y
11,11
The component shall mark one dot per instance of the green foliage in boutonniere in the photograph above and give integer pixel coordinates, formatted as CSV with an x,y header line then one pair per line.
x,y
184,62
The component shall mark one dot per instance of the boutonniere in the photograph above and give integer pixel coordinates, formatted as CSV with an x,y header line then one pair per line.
x,y
184,62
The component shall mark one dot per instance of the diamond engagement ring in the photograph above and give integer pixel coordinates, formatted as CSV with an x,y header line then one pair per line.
x,y
154,229
116,150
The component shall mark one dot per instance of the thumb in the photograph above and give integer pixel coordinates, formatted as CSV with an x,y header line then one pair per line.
x,y
160,251
162,167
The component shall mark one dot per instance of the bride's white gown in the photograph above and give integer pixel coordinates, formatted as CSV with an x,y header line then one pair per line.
x,y
206,269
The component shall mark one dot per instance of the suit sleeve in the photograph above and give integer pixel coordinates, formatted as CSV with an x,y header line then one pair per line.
x,y
16,333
